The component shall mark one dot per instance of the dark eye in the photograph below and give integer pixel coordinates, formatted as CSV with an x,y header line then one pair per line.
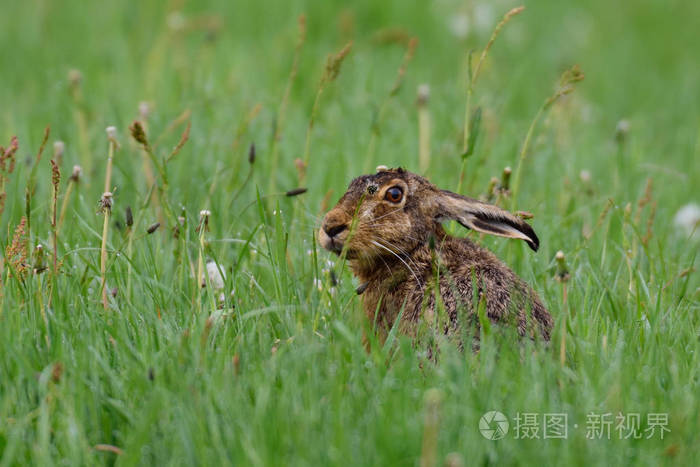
x,y
394,194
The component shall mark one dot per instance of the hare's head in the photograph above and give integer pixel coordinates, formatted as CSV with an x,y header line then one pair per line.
x,y
398,210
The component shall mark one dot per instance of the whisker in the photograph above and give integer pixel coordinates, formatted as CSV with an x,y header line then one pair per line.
x,y
387,214
402,251
405,235
404,262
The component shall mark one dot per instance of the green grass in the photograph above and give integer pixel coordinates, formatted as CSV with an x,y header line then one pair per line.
x,y
285,377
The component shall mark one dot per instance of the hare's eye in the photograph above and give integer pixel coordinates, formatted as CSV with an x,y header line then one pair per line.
x,y
394,194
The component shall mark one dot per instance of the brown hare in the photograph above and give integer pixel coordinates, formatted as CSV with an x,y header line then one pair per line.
x,y
389,227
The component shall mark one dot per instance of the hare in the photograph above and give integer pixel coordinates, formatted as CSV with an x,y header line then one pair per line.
x,y
389,227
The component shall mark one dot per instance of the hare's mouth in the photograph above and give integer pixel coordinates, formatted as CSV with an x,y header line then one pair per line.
x,y
334,244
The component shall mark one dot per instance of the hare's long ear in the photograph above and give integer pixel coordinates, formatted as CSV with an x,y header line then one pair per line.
x,y
483,217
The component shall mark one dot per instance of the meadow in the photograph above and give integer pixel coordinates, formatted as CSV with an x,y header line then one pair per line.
x,y
167,303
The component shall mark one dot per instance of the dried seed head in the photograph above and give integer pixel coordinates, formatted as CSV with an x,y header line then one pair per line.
x,y
296,192
138,133
111,132
152,228
59,148
77,172
491,190
203,220
524,214
454,459
176,21
585,176
505,178
562,270
144,110
8,155
301,167
57,372
129,217
621,130
251,154
55,175
423,94
16,252
334,61
105,204
75,77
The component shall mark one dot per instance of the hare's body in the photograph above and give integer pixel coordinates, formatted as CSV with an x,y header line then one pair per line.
x,y
389,226
506,297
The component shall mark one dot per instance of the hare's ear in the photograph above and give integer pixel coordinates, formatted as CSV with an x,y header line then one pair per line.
x,y
483,217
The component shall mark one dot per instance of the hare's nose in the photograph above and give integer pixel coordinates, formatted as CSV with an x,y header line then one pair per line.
x,y
333,230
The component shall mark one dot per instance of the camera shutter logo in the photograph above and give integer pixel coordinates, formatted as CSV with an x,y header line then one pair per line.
x,y
493,425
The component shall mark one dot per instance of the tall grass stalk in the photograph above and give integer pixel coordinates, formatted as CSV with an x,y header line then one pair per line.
x,y
431,425
379,117
75,80
330,73
472,76
566,85
144,112
282,110
106,209
31,187
55,181
562,276
200,278
423,128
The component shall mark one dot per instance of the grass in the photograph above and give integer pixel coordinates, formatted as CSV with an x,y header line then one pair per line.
x,y
165,375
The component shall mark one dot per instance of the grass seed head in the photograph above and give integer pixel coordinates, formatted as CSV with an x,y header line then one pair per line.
x,y
251,154
105,204
112,135
55,175
562,274
204,220
296,192
152,228
505,179
59,147
621,131
335,61
77,172
16,252
139,133
423,95
129,217
75,78
7,157
144,110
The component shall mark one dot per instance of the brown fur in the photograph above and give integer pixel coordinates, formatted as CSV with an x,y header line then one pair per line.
x,y
403,254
